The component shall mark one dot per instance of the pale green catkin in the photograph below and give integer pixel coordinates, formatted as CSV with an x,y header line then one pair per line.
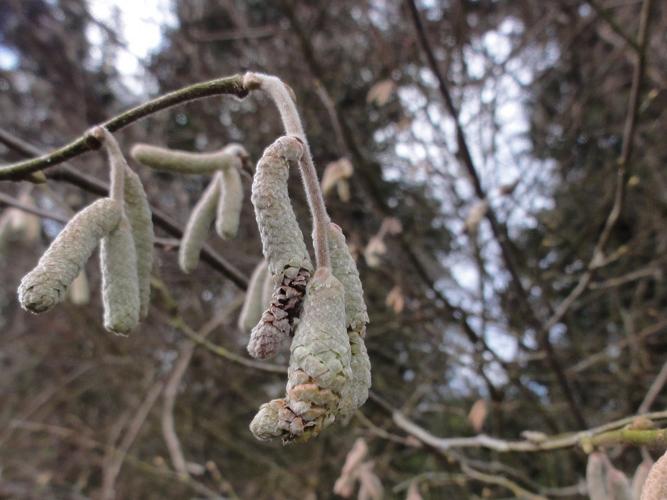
x,y
198,226
231,202
47,284
282,240
319,367
184,162
345,270
138,212
283,246
120,287
253,305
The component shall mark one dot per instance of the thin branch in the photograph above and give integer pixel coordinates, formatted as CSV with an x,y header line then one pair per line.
x,y
116,458
13,202
654,390
604,435
232,85
173,382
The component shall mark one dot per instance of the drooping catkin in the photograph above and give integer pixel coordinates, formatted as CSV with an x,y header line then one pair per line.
x,y
231,202
655,486
319,367
596,476
283,246
184,162
198,226
345,270
253,305
120,286
126,186
618,485
47,284
138,212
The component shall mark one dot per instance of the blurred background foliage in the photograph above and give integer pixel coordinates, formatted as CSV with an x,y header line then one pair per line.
x,y
542,90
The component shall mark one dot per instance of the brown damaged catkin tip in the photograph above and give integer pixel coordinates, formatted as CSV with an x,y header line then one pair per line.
x,y
254,304
185,162
319,367
120,286
345,270
283,246
47,284
198,226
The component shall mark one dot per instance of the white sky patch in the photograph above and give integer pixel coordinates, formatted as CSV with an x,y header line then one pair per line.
x,y
9,61
140,24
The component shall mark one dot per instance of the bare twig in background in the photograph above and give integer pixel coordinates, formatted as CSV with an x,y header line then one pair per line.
x,y
114,459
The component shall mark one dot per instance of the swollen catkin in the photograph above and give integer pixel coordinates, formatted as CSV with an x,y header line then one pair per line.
x,y
120,286
319,367
138,213
231,201
253,305
184,162
198,226
345,270
282,244
47,284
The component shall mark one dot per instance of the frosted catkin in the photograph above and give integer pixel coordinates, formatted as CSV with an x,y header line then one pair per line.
x,y
655,486
345,270
120,286
138,212
231,202
282,244
319,367
254,304
47,284
198,226
184,162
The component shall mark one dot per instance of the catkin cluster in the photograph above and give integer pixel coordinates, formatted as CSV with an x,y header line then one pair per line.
x,y
221,201
329,369
123,227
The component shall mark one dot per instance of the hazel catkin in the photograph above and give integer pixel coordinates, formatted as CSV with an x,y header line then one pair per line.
x,y
282,244
138,212
198,226
231,202
47,284
120,286
319,367
185,162
345,270
254,304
